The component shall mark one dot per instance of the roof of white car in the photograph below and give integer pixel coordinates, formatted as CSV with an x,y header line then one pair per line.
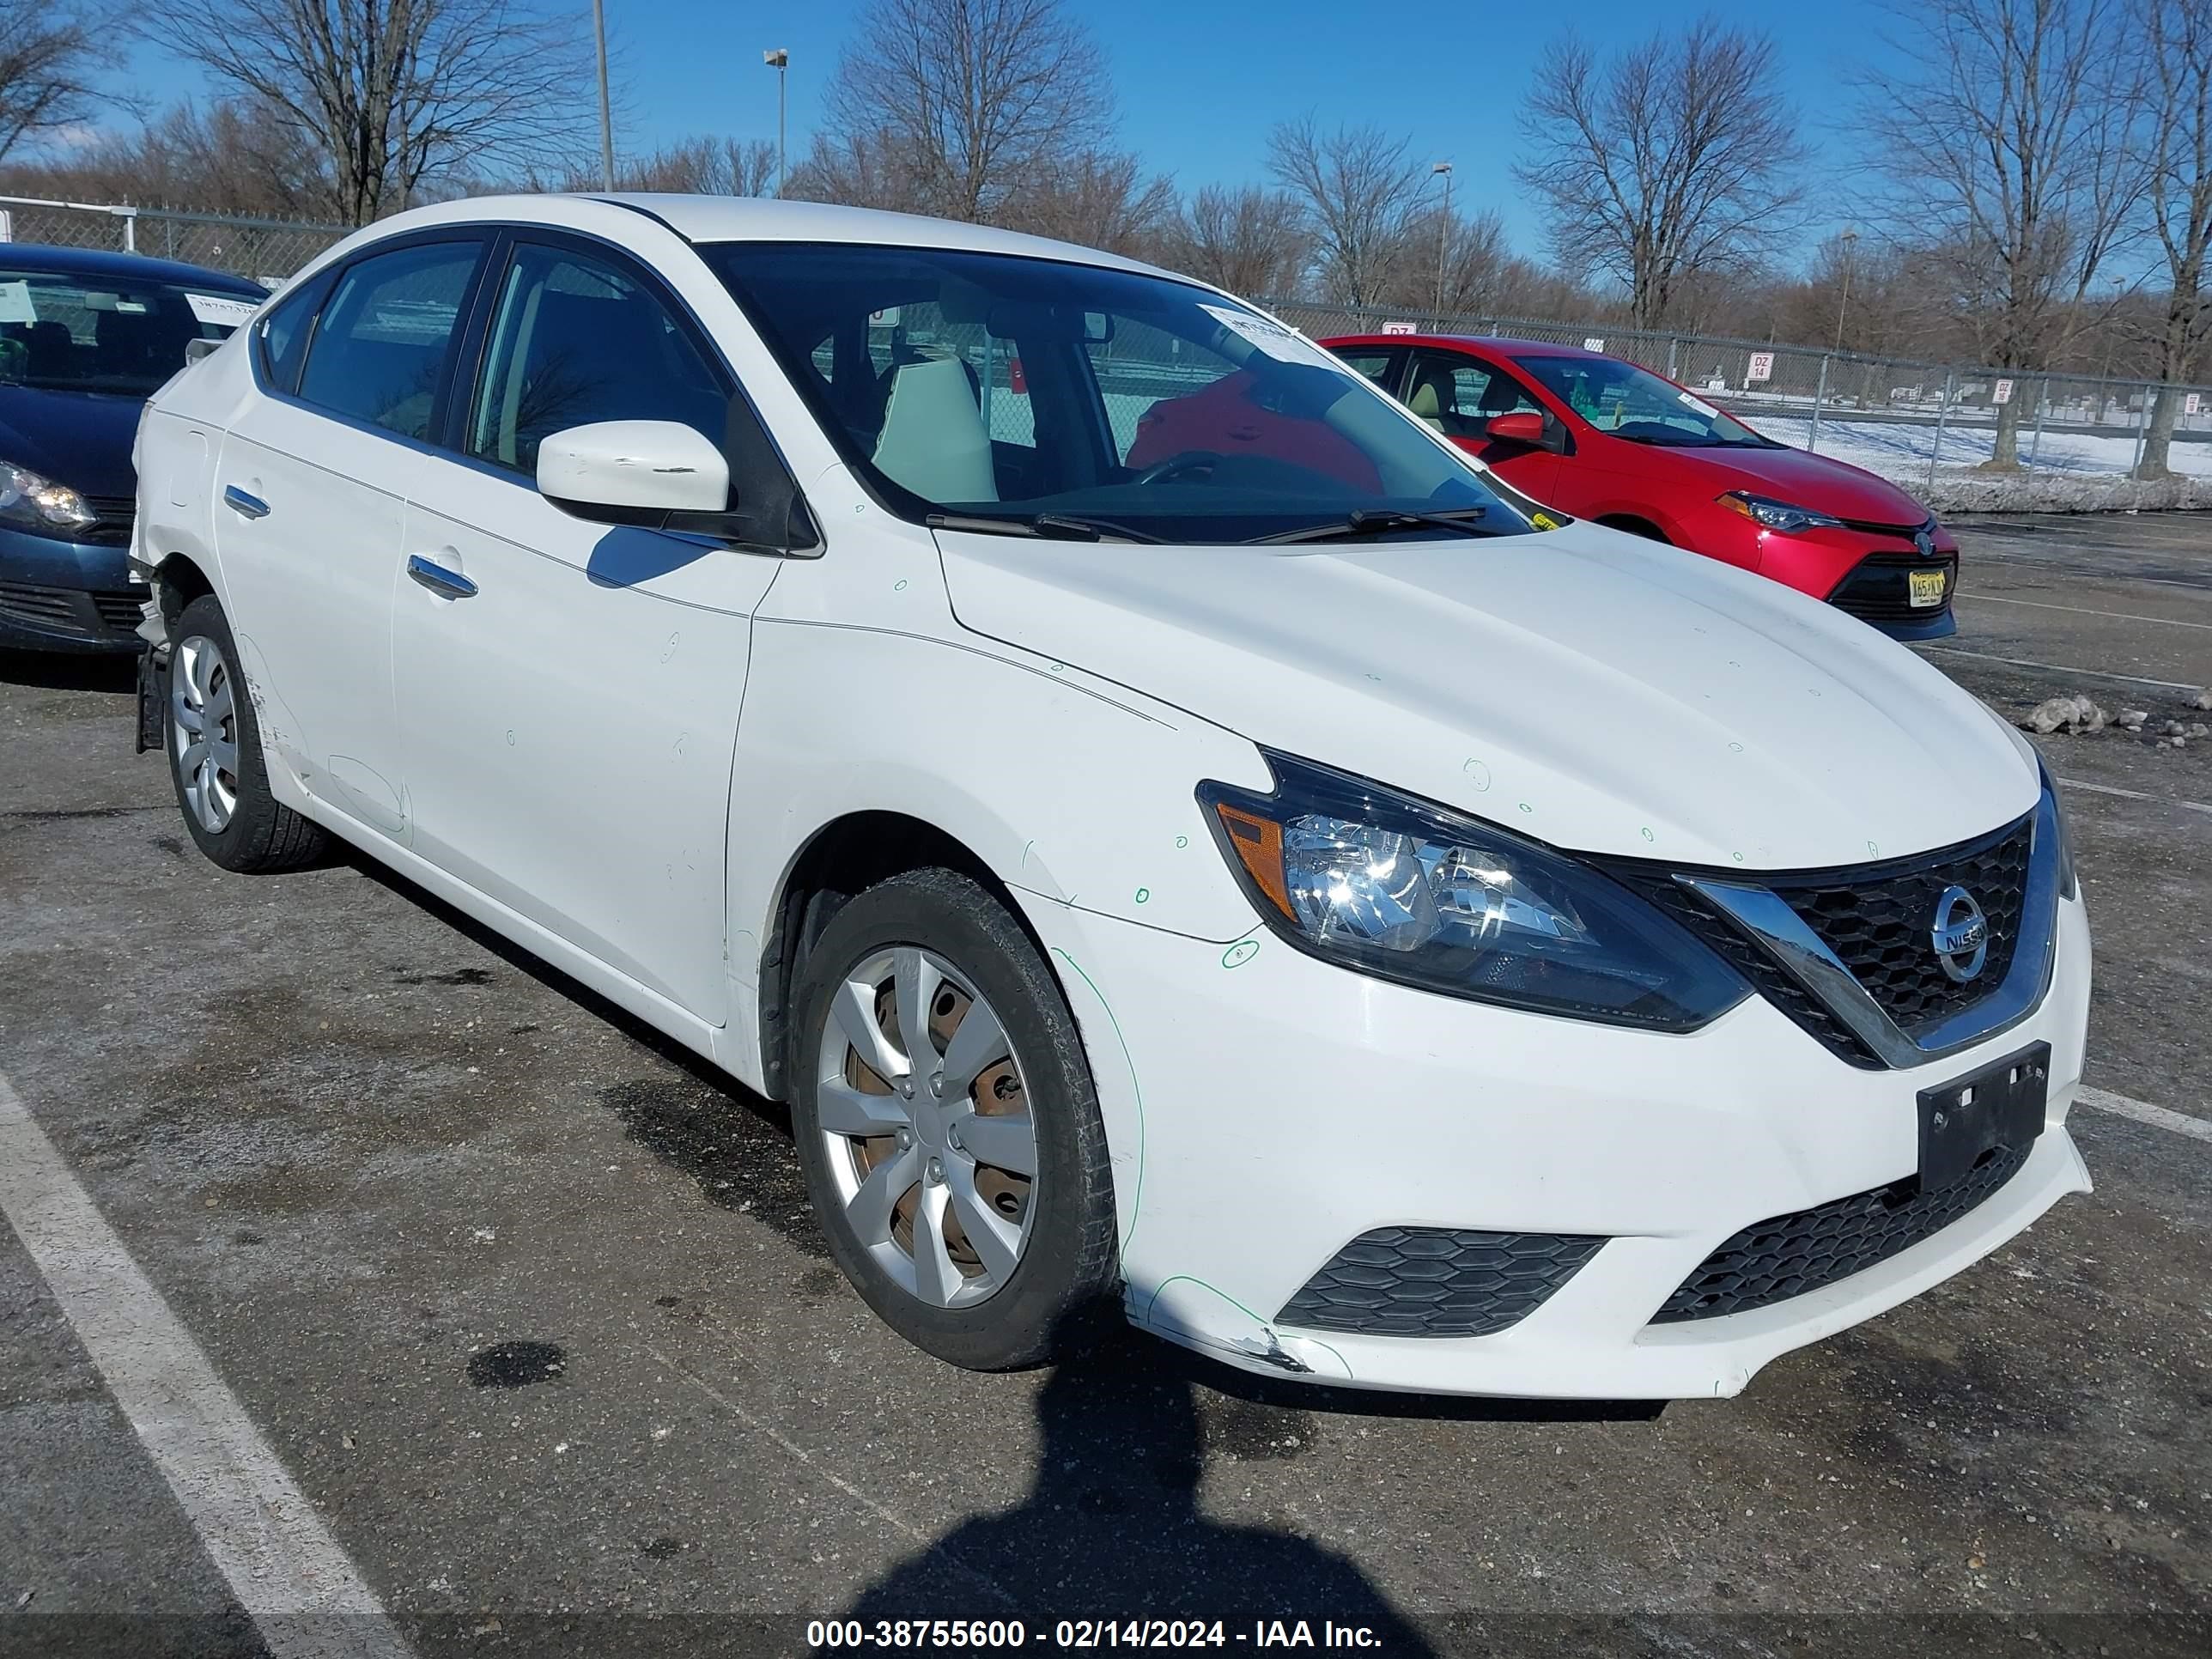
x,y
749,219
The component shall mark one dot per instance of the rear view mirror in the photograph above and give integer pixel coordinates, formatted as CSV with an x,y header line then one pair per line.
x,y
632,472
1521,427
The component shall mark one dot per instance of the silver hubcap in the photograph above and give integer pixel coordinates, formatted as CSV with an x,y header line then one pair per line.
x,y
203,710
930,1140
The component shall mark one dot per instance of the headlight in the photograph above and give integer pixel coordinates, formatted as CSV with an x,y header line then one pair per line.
x,y
1405,890
35,503
1775,515
2068,886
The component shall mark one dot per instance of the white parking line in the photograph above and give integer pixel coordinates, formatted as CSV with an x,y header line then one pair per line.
x,y
2134,794
286,1570
2061,668
2196,1128
2079,610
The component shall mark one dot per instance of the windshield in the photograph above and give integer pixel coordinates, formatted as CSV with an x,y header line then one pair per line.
x,y
64,331
987,386
1631,403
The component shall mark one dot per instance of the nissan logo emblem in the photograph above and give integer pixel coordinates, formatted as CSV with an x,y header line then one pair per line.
x,y
1961,935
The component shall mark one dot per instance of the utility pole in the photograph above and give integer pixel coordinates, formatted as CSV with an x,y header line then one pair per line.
x,y
1444,234
606,110
1850,241
779,61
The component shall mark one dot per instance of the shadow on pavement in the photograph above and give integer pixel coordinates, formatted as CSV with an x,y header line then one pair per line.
x,y
1112,1528
61,671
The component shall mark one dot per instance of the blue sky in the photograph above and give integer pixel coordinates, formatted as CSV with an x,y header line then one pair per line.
x,y
1200,86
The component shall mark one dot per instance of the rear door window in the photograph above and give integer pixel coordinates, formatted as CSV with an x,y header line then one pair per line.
x,y
382,349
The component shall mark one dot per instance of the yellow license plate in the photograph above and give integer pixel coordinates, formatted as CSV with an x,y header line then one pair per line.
x,y
1926,588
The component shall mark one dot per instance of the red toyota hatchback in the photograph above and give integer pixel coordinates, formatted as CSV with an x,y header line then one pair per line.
x,y
1604,440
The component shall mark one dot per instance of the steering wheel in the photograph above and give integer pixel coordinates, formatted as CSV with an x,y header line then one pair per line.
x,y
1191,460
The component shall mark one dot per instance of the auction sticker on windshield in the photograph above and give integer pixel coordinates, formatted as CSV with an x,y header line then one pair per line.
x,y
15,304
1690,399
221,310
1270,337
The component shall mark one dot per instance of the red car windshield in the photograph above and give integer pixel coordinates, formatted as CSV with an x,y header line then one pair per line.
x,y
1626,402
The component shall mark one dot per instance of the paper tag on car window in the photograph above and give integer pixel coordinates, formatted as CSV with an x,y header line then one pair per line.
x,y
16,303
1690,399
221,310
1273,339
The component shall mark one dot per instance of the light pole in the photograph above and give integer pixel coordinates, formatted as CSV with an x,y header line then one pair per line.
x,y
606,111
1444,234
779,61
1850,241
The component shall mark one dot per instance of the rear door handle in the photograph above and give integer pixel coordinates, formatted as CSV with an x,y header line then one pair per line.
x,y
449,584
238,501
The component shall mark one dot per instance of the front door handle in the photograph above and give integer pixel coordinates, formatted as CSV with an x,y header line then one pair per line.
x,y
448,584
251,506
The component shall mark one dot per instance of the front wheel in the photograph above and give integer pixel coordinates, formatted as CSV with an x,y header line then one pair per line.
x,y
948,1127
214,747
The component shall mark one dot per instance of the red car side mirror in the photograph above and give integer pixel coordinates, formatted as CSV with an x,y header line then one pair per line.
x,y
1521,427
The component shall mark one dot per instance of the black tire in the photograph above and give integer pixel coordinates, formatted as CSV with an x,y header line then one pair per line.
x,y
1051,1303
1648,531
262,834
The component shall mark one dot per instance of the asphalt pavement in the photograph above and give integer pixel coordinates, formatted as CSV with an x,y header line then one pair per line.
x,y
530,1308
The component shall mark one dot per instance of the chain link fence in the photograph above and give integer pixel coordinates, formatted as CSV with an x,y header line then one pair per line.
x,y
266,250
1897,416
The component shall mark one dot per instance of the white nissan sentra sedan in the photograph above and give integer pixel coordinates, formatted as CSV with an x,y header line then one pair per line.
x,y
1293,886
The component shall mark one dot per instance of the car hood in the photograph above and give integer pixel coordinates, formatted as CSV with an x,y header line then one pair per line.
x,y
1804,479
81,439
1590,689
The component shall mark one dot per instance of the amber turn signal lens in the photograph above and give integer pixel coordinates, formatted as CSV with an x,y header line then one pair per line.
x,y
1259,844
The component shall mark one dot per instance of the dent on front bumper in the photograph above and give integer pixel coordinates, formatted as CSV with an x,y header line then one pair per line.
x,y
1265,1108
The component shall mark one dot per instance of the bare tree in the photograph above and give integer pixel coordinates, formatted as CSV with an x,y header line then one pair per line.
x,y
49,55
392,92
1250,241
2006,121
1100,199
1672,156
951,106
1457,267
865,167
229,157
697,166
2173,126
1359,188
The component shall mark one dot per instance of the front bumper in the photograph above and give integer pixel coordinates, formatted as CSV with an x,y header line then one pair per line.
x,y
1265,1108
67,596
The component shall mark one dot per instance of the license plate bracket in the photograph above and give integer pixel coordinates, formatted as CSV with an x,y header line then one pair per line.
x,y
1924,588
2000,1105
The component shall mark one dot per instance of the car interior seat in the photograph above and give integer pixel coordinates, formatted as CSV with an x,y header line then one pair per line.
x,y
50,350
136,342
1433,395
933,439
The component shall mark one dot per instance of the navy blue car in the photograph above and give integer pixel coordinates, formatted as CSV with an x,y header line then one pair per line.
x,y
85,339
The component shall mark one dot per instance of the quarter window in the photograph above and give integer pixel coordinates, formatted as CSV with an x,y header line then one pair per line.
x,y
380,351
576,340
284,332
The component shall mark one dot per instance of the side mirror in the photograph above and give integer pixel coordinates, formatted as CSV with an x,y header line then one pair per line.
x,y
1521,427
633,472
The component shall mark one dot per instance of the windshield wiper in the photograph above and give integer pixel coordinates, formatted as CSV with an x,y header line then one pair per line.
x,y
1375,521
1060,526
